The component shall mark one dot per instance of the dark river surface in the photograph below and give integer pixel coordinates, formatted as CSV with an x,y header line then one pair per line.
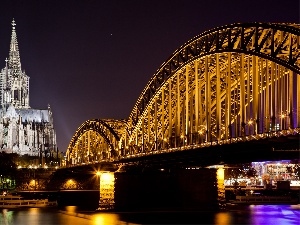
x,y
71,215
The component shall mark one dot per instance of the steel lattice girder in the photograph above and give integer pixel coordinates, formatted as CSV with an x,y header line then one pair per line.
x,y
277,42
108,130
179,92
224,77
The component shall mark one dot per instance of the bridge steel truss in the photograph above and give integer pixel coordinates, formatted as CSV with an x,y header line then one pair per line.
x,y
233,83
95,140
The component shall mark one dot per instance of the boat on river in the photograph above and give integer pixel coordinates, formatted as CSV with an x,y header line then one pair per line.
x,y
17,201
256,200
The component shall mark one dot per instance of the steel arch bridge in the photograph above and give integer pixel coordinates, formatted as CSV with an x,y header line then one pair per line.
x,y
95,140
234,83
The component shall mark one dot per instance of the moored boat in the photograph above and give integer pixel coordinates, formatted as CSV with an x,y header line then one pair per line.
x,y
264,200
17,201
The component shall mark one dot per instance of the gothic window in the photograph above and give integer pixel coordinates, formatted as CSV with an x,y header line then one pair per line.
x,y
16,96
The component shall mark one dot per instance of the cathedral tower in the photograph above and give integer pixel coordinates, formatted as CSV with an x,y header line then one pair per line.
x,y
14,81
23,130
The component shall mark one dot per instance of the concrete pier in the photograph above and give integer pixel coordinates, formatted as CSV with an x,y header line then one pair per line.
x,y
190,189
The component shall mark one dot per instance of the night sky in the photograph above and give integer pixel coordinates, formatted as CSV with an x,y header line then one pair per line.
x,y
92,58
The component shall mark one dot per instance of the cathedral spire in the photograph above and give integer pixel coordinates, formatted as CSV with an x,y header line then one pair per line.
x,y
14,55
6,75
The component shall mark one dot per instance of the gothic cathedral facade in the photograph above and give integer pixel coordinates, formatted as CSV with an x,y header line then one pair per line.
x,y
23,130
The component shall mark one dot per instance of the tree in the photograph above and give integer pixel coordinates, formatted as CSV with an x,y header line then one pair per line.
x,y
8,166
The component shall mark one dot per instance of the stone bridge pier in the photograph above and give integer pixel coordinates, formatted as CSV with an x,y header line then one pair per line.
x,y
136,188
163,189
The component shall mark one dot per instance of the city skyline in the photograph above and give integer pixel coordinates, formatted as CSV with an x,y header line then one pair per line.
x,y
92,60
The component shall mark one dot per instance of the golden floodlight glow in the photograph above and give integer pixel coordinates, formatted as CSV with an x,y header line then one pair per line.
x,y
220,174
107,186
221,186
107,177
32,182
222,218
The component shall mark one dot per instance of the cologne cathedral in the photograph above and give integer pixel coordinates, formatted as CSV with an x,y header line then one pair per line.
x,y
23,130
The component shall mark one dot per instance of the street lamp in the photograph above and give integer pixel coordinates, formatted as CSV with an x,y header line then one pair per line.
x,y
250,122
282,116
183,139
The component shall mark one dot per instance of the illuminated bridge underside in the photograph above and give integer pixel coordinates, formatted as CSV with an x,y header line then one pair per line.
x,y
235,83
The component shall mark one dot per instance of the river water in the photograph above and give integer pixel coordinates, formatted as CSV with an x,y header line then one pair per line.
x,y
71,215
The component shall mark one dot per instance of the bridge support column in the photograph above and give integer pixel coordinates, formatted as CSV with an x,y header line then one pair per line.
x,y
298,99
183,189
107,190
220,185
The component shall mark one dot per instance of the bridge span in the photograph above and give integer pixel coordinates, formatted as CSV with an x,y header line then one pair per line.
x,y
227,91
229,95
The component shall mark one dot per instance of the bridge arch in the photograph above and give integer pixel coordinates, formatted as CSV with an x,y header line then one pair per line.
x,y
95,140
233,83
230,82
276,42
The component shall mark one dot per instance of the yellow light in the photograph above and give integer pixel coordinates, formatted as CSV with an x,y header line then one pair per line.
x,y
34,211
222,218
107,177
32,183
220,174
107,184
250,122
71,209
282,116
106,218
98,173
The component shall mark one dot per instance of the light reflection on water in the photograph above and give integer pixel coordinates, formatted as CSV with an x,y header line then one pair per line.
x,y
275,214
6,217
106,219
222,218
255,214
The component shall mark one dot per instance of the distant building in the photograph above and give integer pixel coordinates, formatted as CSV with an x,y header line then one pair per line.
x,y
23,130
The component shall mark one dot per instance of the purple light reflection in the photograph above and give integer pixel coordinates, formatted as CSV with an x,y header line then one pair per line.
x,y
274,214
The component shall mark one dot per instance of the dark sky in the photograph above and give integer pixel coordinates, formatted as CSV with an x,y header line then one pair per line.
x,y
92,58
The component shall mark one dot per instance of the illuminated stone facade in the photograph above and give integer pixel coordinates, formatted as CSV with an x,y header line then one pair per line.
x,y
23,130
